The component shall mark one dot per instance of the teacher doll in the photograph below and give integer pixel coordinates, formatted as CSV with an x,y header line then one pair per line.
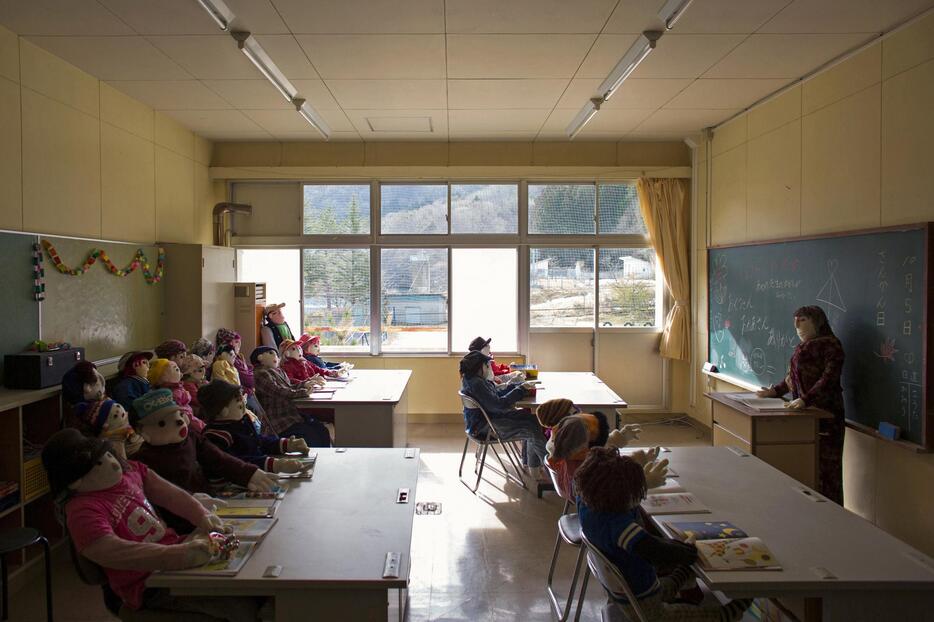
x,y
814,380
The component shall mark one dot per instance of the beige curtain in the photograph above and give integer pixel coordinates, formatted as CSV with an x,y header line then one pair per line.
x,y
665,213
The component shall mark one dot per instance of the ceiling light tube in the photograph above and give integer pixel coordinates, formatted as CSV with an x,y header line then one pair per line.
x,y
672,12
258,56
628,63
583,117
311,115
219,12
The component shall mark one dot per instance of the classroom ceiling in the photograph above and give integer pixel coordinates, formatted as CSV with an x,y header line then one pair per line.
x,y
451,69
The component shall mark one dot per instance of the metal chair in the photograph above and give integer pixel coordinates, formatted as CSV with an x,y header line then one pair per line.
x,y
513,472
15,540
612,579
569,531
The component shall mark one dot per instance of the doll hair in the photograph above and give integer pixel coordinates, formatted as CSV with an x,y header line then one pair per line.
x,y
570,436
133,361
608,482
816,315
223,349
472,364
68,456
203,348
84,372
550,413
190,364
215,396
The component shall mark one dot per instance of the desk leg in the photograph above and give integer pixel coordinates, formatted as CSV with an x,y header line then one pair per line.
x,y
343,605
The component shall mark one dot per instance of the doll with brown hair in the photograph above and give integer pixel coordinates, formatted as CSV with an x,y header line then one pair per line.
x,y
552,412
133,369
610,488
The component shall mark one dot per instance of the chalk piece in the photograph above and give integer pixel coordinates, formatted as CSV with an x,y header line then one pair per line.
x,y
739,452
272,572
340,450
823,573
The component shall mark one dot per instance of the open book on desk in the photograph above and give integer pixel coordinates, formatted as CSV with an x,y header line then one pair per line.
x,y
758,403
221,567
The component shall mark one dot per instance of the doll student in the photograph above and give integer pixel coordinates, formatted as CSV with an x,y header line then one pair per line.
x,y
499,402
133,369
108,504
610,488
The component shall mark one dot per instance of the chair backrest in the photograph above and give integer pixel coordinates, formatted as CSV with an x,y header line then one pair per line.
x,y
469,402
560,481
610,577
89,572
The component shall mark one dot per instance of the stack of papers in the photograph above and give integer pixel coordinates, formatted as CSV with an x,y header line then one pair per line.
x,y
673,503
758,403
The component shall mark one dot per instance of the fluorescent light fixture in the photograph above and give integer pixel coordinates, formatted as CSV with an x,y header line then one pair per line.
x,y
258,56
672,12
628,63
311,115
219,12
583,117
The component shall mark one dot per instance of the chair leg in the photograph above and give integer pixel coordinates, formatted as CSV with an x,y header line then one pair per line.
x,y
583,594
516,474
47,555
564,612
4,598
460,469
478,472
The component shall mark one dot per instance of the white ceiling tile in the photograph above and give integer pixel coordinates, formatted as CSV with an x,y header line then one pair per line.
x,y
498,120
317,94
634,93
608,121
682,121
634,16
388,94
646,136
361,121
114,58
187,17
376,57
363,16
288,56
726,94
676,56
172,94
213,57
505,94
825,16
702,17
516,56
249,94
60,17
285,121
214,123
782,56
516,16
488,136
315,136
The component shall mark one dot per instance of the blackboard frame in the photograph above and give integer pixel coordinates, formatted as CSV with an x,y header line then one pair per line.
x,y
927,341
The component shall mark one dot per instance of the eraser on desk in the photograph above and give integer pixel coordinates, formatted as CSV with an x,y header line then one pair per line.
x,y
889,430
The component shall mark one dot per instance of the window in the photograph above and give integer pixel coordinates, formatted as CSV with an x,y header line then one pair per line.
x,y
336,283
619,209
562,209
331,209
629,295
484,297
414,209
279,270
561,287
414,299
484,208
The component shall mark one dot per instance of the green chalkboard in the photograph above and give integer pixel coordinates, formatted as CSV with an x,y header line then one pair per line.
x,y
18,306
873,287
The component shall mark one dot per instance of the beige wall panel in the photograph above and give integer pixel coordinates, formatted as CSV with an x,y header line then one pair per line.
x,y
561,351
910,47
434,384
277,209
173,136
406,154
11,157
775,113
773,183
323,154
125,112
252,154
843,80
61,168
53,77
128,202
363,362
203,148
204,204
181,318
904,503
9,54
629,364
490,154
174,197
574,154
859,474
701,153
730,135
840,164
728,197
907,135
653,154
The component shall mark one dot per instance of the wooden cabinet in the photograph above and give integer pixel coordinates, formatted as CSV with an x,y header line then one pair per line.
x,y
199,291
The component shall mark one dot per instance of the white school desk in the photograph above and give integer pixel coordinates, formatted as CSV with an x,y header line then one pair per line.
x,y
878,577
583,388
331,540
369,411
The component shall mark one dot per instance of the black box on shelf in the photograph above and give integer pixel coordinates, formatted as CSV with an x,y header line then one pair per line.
x,y
38,370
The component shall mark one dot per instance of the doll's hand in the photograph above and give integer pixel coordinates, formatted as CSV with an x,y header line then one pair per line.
x,y
199,551
296,445
621,438
643,457
655,473
212,522
797,404
208,502
766,392
318,380
286,465
261,481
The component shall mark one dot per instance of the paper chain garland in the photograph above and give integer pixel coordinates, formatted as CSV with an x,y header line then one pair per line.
x,y
38,274
139,261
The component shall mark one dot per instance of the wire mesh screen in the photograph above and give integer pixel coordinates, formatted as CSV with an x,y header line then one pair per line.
x,y
619,209
330,209
336,286
414,209
414,299
562,208
628,287
484,208
561,287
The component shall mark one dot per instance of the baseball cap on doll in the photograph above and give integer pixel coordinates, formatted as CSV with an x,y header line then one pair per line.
x,y
155,402
273,307
478,344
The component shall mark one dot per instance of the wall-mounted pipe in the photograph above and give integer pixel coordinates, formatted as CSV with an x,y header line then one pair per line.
x,y
221,230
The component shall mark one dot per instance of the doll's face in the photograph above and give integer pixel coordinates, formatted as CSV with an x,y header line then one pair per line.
x,y
116,420
486,349
805,328
106,473
276,316
179,359
235,410
236,344
171,375
268,359
141,368
313,348
94,391
293,352
226,356
197,374
163,428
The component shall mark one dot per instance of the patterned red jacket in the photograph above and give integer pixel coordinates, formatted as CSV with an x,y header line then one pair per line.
x,y
300,370
814,374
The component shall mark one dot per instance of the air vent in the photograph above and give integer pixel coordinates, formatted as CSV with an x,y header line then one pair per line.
x,y
400,124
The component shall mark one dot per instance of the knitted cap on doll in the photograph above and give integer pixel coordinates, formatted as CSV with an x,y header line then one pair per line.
x,y
156,369
190,364
551,412
170,348
68,456
203,348
215,396
571,437
84,372
155,402
94,414
225,336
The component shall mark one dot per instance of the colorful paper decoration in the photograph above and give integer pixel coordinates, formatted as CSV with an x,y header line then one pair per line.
x,y
139,261
38,274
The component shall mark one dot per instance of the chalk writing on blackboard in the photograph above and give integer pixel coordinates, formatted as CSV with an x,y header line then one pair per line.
x,y
830,292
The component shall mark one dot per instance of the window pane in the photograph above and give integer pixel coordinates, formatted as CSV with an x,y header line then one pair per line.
x,y
484,208
561,287
279,270
414,304
337,297
628,289
484,289
561,208
415,209
619,209
336,210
